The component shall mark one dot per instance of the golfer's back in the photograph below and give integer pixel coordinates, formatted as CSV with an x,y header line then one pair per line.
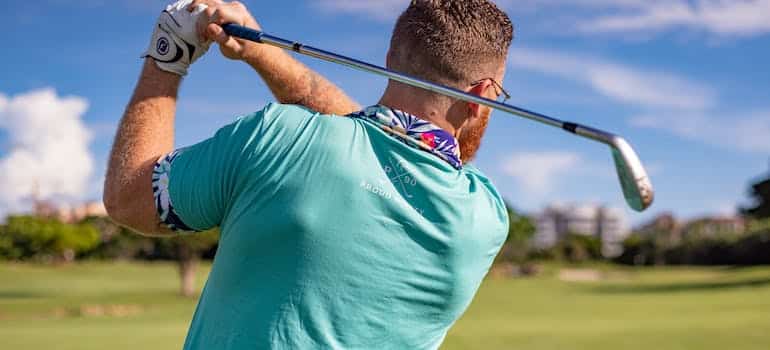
x,y
334,234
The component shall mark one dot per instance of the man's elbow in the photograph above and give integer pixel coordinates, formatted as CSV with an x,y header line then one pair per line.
x,y
117,212
121,208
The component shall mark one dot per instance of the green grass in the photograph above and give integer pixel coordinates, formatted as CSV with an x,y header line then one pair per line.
x,y
134,306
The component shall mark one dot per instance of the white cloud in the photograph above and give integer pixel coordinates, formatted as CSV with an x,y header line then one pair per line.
x,y
48,149
671,103
537,172
721,17
377,9
514,6
619,82
747,133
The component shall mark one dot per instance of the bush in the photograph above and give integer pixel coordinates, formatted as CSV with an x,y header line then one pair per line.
x,y
517,245
753,249
573,248
725,248
577,248
118,243
32,238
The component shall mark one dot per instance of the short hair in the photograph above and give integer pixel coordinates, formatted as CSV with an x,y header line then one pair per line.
x,y
452,42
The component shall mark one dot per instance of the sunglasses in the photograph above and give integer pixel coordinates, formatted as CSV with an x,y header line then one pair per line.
x,y
499,89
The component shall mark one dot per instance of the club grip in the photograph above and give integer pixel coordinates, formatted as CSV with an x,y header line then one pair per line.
x,y
243,32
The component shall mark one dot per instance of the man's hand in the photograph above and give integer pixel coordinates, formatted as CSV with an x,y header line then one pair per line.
x,y
218,13
175,43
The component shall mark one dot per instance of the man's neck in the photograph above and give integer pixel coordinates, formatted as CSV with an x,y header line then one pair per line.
x,y
415,105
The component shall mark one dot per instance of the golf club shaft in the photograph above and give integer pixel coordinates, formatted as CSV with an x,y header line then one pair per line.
x,y
261,37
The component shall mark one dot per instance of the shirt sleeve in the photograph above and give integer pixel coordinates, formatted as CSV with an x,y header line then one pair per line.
x,y
194,186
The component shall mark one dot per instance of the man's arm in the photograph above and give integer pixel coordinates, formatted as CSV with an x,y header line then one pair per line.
x,y
146,132
290,81
294,83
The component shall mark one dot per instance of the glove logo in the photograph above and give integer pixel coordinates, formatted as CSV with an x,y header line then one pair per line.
x,y
162,46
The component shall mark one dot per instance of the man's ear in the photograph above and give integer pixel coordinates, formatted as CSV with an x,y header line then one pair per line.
x,y
474,109
389,58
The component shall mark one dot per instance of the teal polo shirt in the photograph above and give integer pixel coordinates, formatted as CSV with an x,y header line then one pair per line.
x,y
335,232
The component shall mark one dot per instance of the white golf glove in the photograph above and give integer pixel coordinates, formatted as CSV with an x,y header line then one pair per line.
x,y
175,43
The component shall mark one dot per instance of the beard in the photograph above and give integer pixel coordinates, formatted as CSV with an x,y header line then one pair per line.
x,y
471,135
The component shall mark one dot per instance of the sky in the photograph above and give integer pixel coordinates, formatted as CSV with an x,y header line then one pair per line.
x,y
685,81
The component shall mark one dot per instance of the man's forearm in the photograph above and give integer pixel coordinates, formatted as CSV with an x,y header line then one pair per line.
x,y
294,83
146,132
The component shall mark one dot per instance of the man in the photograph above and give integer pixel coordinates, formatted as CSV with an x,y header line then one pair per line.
x,y
368,231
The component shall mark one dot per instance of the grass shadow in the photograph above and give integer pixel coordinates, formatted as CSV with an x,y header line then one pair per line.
x,y
683,287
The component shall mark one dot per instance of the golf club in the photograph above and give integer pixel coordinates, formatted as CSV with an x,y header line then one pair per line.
x,y
636,185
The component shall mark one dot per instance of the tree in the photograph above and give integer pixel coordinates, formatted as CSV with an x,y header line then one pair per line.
x,y
187,252
8,250
701,246
118,243
761,194
28,237
578,248
520,233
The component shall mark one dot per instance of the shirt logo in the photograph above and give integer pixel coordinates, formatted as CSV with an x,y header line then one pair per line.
x,y
376,190
401,177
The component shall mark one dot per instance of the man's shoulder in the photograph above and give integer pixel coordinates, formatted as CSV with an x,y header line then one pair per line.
x,y
478,178
274,111
488,197
279,128
278,115
290,109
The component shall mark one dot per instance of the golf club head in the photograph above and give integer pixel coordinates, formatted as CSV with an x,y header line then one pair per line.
x,y
637,187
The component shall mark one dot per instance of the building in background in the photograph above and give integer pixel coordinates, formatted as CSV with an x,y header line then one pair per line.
x,y
557,221
710,227
665,225
44,208
76,213
669,227
69,214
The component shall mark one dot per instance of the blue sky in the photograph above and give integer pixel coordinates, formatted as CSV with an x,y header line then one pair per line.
x,y
685,81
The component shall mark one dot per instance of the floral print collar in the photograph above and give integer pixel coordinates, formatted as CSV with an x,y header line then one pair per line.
x,y
415,132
